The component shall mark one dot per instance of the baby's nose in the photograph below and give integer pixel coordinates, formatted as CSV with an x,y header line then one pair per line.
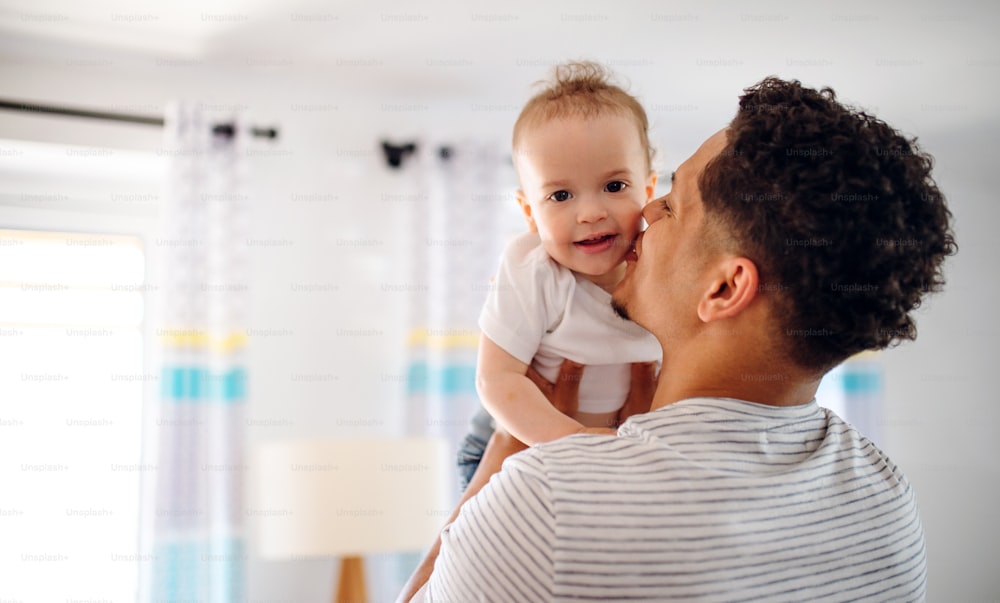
x,y
591,210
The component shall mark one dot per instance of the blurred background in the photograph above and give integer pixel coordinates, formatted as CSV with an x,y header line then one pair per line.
x,y
174,295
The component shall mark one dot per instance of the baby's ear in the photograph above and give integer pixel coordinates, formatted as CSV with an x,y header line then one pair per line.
x,y
651,186
526,209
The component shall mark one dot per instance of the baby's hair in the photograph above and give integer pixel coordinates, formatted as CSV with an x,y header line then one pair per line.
x,y
585,89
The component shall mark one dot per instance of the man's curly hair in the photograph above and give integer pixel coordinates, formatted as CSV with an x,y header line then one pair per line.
x,y
839,213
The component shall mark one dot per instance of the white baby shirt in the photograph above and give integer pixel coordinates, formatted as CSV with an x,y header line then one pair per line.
x,y
541,312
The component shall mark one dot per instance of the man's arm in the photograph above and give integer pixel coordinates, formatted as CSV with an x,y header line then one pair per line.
x,y
501,546
500,446
563,396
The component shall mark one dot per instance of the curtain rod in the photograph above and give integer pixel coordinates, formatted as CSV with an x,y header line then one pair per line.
x,y
221,129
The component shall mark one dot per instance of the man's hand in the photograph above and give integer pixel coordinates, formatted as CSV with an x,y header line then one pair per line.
x,y
640,394
564,393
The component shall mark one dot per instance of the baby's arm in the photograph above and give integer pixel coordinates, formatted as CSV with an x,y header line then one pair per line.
x,y
514,401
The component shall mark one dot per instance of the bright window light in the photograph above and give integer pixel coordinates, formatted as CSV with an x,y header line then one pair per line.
x,y
71,390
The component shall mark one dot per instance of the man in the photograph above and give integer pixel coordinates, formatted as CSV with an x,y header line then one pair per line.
x,y
798,236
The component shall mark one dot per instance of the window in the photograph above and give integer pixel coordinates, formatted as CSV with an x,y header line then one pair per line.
x,y
71,391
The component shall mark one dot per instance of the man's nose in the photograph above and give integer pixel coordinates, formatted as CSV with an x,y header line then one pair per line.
x,y
653,210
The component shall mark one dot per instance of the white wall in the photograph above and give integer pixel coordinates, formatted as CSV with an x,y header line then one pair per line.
x,y
940,423
941,416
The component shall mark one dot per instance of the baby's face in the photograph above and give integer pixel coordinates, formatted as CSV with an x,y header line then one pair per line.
x,y
584,183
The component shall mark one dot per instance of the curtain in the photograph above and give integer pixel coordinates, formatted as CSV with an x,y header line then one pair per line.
x,y
460,212
192,528
860,380
461,225
854,390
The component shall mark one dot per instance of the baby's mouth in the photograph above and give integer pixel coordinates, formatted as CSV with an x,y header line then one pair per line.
x,y
598,244
596,241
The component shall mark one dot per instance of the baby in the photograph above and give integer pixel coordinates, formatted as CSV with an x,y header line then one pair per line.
x,y
583,160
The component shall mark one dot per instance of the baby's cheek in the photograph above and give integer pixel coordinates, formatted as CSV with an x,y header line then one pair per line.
x,y
636,224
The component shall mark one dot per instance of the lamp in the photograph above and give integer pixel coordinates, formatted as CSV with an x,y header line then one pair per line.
x,y
350,498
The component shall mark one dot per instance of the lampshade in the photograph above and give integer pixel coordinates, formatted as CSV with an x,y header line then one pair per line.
x,y
350,497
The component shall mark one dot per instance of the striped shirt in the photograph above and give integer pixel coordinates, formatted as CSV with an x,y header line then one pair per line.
x,y
705,499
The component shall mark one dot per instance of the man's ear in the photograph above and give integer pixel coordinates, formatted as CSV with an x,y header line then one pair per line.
x,y
733,286
526,209
651,186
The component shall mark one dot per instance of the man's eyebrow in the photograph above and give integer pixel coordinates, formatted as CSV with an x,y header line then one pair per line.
x,y
672,176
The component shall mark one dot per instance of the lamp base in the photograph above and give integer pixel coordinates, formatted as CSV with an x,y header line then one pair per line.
x,y
351,588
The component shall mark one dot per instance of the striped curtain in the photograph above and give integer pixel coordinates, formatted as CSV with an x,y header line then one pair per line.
x,y
862,384
855,391
192,510
461,225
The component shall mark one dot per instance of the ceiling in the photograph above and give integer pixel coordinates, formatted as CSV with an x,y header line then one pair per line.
x,y
925,65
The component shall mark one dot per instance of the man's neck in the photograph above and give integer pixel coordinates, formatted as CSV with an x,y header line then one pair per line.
x,y
729,373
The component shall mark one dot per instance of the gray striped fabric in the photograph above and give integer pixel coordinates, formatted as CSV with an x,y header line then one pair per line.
x,y
703,500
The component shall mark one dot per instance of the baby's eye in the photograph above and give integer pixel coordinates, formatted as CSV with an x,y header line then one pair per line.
x,y
615,187
561,196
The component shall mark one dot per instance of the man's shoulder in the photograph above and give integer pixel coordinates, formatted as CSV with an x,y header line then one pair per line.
x,y
543,468
576,452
